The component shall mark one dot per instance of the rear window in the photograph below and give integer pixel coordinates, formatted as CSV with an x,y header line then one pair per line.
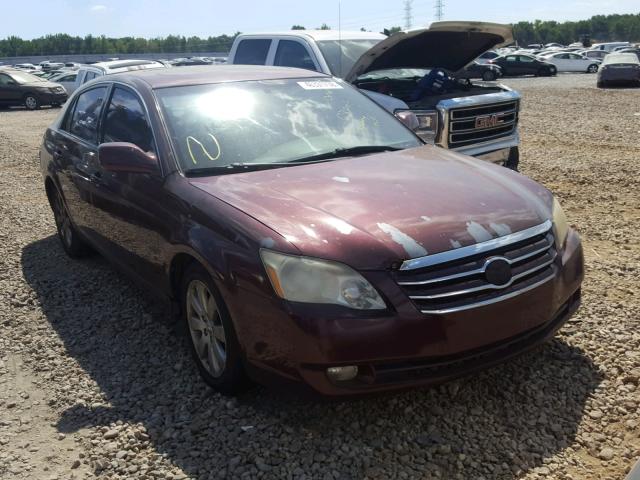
x,y
293,54
252,52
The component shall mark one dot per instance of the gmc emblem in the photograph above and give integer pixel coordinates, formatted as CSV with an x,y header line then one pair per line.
x,y
487,121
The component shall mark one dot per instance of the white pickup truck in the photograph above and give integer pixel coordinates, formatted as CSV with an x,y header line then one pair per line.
x,y
410,73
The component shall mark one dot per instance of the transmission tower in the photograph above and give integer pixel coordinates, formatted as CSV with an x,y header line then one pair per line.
x,y
408,14
439,9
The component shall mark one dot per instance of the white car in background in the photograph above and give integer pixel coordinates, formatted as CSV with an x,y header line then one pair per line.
x,y
594,54
572,62
486,56
66,79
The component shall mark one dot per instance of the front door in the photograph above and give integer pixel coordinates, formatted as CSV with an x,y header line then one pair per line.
x,y
9,90
132,217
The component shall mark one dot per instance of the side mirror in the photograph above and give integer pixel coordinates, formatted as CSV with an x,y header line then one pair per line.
x,y
126,157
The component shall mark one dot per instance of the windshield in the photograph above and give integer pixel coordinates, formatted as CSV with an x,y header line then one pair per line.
x,y
24,77
274,122
352,50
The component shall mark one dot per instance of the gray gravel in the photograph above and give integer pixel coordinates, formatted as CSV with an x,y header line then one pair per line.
x,y
104,387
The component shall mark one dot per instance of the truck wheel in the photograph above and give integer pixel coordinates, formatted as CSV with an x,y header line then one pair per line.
x,y
31,102
489,76
592,68
514,159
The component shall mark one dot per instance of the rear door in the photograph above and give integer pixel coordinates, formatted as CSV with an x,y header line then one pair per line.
x,y
75,151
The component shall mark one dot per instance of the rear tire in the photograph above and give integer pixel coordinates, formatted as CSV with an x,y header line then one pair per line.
x,y
212,338
488,76
73,245
593,68
31,102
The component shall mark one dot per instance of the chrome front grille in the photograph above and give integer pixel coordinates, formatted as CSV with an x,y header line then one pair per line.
x,y
470,125
459,279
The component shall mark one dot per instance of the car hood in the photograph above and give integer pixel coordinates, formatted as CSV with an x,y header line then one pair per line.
x,y
376,210
448,45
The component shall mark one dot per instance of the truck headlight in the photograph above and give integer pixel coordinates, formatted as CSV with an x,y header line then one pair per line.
x,y
560,224
310,280
423,122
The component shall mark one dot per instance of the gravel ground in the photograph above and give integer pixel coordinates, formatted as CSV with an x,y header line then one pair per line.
x,y
94,381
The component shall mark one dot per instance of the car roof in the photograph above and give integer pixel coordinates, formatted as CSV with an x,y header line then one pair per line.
x,y
321,34
621,58
207,74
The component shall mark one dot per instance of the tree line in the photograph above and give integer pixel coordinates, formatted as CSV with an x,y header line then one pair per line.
x,y
598,28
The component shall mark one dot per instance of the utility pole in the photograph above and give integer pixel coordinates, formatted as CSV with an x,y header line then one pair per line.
x,y
408,14
439,9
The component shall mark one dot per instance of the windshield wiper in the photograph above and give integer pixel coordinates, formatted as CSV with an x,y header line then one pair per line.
x,y
346,152
232,168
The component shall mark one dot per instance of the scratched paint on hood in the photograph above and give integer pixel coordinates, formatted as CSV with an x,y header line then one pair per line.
x,y
412,247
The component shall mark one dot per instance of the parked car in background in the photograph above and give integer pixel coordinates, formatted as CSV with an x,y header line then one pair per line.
x,y
29,67
609,46
486,56
619,69
89,72
593,54
49,66
477,119
635,51
522,64
485,71
260,201
572,62
18,87
66,79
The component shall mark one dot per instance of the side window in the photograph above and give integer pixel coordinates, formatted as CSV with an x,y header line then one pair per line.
x,y
512,58
252,52
293,54
6,80
86,114
68,78
126,121
89,76
524,58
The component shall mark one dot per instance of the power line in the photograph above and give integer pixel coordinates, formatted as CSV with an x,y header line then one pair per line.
x,y
439,9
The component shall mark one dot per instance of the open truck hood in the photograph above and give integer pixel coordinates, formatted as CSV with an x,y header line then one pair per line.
x,y
448,45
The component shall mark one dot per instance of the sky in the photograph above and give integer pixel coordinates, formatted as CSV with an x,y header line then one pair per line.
x,y
154,18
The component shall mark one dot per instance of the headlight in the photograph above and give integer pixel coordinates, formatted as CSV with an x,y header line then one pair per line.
x,y
309,280
560,224
423,122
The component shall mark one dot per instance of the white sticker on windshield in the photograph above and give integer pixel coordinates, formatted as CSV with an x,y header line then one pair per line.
x,y
320,85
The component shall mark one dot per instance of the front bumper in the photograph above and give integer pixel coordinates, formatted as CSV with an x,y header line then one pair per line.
x,y
496,151
50,97
405,348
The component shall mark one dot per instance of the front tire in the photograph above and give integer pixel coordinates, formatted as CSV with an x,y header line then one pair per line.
x,y
73,245
31,102
592,68
514,159
212,338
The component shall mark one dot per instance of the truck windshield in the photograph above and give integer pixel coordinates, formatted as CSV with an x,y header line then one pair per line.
x,y
341,55
228,127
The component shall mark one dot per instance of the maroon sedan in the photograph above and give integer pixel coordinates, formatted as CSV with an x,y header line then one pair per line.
x,y
303,233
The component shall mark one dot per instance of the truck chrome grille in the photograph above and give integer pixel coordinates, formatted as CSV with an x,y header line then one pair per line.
x,y
470,125
464,282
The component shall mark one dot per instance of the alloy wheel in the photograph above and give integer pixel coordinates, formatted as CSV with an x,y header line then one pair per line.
x,y
63,222
31,102
206,328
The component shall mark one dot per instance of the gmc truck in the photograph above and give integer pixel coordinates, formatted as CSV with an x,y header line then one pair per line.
x,y
413,75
